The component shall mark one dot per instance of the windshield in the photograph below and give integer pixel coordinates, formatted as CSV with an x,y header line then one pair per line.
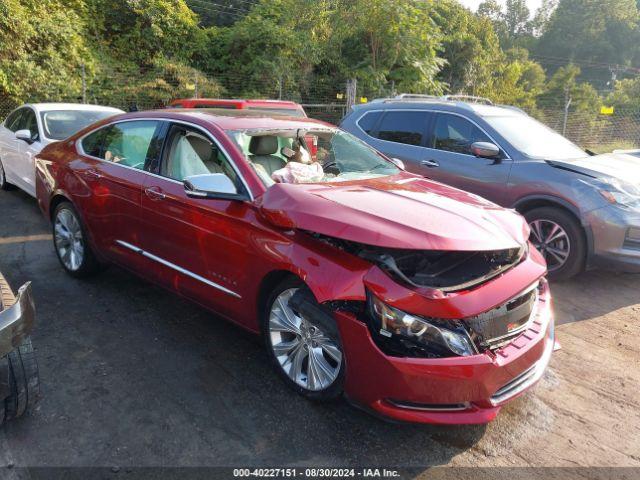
x,y
60,124
309,156
533,138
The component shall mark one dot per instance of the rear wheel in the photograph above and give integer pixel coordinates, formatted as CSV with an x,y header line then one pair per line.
x,y
559,238
70,242
306,352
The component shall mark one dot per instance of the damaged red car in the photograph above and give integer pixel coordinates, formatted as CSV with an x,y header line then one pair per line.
x,y
414,300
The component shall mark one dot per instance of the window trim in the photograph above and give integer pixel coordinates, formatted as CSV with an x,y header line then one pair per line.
x,y
429,128
15,110
163,153
40,134
80,150
507,157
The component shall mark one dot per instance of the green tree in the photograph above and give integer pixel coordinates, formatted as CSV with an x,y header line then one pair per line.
x,y
516,19
592,32
42,48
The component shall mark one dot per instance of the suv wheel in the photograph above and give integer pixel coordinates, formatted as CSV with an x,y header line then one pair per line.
x,y
559,238
306,352
70,242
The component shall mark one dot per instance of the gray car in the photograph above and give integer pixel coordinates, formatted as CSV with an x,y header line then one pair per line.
x,y
583,210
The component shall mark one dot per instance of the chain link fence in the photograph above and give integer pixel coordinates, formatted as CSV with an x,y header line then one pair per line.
x,y
322,99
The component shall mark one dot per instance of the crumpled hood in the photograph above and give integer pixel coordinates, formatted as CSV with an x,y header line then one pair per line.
x,y
403,211
616,165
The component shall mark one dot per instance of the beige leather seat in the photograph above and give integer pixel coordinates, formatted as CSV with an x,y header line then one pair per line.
x,y
262,149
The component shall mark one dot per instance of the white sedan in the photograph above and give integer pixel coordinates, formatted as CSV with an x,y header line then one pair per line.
x,y
28,129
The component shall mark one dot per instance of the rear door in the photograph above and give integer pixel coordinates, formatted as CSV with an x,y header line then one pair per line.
x,y
399,134
449,158
114,166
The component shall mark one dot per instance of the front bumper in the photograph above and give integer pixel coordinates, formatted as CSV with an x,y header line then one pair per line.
x,y
454,390
616,239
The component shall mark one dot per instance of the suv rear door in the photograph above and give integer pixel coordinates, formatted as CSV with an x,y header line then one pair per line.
x,y
399,134
448,158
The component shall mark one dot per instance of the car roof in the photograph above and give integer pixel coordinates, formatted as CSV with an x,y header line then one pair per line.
x,y
440,103
240,101
233,119
45,107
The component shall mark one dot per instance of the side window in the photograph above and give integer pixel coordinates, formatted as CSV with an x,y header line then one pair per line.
x,y
403,127
29,122
127,143
189,152
368,121
92,143
13,120
456,134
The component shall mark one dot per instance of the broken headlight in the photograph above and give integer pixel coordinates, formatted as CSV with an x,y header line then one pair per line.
x,y
418,336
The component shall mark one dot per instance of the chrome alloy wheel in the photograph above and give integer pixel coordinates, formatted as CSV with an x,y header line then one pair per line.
x,y
68,239
552,242
309,357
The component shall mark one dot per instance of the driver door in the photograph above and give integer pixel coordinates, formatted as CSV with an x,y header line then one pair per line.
x,y
450,161
198,245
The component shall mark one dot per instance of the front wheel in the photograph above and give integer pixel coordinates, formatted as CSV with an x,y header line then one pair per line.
x,y
305,348
70,242
4,185
559,238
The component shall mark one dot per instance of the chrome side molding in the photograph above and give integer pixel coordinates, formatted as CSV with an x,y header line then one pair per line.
x,y
177,268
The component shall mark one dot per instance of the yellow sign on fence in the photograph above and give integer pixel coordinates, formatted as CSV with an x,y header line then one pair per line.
x,y
606,110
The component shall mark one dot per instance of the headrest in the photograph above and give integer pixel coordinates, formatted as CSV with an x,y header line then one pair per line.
x,y
200,145
263,145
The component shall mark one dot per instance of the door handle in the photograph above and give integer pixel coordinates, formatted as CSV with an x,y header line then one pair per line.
x,y
430,163
154,193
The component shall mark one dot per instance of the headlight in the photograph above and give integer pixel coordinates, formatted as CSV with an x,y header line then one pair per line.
x,y
438,338
620,193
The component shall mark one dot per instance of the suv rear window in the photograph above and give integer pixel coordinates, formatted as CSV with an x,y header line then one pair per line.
x,y
368,121
403,127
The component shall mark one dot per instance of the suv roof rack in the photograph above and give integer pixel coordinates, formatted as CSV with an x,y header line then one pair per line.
x,y
418,97
468,98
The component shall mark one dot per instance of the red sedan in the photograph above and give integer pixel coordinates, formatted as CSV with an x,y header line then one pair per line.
x,y
416,300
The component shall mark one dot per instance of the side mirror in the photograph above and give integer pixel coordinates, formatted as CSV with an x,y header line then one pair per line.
x,y
485,150
211,185
398,163
24,135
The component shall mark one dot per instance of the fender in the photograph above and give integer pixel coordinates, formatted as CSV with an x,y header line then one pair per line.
x,y
588,233
551,199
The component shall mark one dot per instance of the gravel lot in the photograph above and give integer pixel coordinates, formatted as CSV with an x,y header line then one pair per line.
x,y
134,376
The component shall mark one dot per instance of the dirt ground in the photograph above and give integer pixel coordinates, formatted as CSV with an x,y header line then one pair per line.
x,y
134,376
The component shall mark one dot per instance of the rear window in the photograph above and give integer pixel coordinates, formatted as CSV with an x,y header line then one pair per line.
x,y
291,112
403,127
215,105
368,121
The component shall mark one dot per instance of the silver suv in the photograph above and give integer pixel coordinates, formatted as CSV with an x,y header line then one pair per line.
x,y
583,210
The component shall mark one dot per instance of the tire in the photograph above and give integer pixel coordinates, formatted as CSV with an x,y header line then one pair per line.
x,y
4,185
70,242
323,386
24,382
566,242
